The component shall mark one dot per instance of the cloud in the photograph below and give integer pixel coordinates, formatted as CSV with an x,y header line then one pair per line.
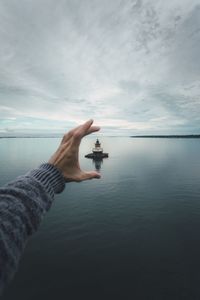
x,y
131,65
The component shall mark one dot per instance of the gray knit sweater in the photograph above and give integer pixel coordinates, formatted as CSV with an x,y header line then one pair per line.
x,y
23,203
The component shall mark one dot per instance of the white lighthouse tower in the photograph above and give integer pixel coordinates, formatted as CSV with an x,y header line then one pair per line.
x,y
97,149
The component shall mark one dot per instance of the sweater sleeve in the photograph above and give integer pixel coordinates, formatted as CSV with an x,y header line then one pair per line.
x,y
23,203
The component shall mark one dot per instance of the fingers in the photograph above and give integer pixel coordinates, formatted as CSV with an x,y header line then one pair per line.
x,y
82,176
84,130
90,175
92,129
79,132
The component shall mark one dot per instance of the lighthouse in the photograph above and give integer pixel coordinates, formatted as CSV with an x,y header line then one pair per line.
x,y
97,152
97,148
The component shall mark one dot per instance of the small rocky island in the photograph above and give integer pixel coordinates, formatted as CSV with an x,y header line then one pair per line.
x,y
97,152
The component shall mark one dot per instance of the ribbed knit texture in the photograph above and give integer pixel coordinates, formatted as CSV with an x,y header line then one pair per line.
x,y
23,203
50,177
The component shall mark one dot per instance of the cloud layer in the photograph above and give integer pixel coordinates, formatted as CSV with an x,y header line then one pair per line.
x,y
132,65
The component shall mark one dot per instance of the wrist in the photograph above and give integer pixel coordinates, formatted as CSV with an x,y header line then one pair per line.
x,y
51,177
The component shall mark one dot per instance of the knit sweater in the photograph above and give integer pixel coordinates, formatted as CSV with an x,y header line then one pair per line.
x,y
23,203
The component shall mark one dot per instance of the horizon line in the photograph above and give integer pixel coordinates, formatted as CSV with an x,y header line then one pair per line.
x,y
131,136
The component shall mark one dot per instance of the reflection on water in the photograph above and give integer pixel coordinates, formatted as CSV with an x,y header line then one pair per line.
x,y
97,162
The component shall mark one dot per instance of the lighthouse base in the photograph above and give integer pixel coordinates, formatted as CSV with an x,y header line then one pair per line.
x,y
97,155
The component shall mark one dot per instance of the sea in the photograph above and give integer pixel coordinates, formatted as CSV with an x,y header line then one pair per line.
x,y
133,234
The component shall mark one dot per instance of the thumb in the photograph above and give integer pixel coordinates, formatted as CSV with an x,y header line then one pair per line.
x,y
90,175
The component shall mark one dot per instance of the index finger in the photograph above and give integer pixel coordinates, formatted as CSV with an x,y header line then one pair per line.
x,y
78,131
82,130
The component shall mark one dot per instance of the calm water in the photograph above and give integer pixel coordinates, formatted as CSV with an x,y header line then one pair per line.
x,y
134,234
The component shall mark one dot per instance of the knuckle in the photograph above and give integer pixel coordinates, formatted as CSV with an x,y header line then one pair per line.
x,y
70,132
76,135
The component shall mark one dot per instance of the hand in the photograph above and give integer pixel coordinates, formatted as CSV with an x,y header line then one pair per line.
x,y
66,158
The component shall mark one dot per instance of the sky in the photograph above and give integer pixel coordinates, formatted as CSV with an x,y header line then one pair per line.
x,y
131,65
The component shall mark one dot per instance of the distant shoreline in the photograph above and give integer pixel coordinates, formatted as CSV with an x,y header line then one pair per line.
x,y
187,136
183,136
30,137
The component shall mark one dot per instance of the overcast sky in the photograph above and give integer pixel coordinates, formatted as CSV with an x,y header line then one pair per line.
x,y
132,65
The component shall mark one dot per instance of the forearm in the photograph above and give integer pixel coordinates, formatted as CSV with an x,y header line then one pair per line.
x,y
23,203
